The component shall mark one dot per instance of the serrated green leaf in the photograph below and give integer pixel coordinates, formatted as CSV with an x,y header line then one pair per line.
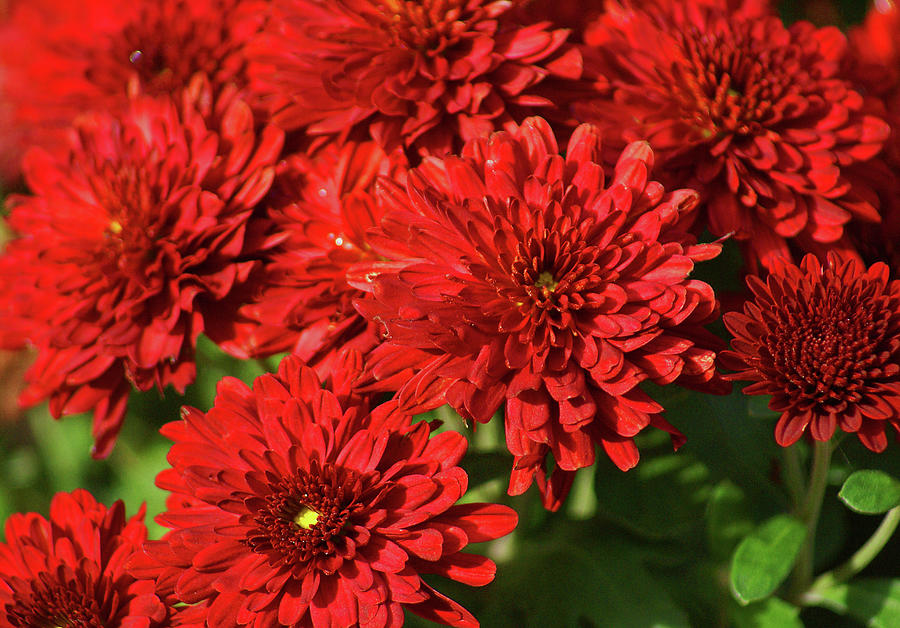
x,y
873,601
870,492
764,559
772,612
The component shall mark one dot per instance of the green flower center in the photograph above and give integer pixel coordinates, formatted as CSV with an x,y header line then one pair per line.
x,y
546,280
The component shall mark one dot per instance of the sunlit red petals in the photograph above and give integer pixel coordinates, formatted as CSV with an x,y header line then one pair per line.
x,y
754,115
137,239
323,206
60,59
421,75
293,505
534,284
824,341
70,570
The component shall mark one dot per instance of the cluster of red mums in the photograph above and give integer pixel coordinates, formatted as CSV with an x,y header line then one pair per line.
x,y
463,202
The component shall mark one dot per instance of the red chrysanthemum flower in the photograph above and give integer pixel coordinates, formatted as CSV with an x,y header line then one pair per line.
x,y
323,205
531,283
425,75
824,341
294,505
70,570
874,65
753,114
136,240
62,58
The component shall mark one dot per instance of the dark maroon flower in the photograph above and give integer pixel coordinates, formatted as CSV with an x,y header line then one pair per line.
x,y
424,75
137,238
754,115
70,570
824,341
530,282
294,505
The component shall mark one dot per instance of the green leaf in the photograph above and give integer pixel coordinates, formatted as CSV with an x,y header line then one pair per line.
x,y
870,492
764,559
873,601
727,519
663,497
721,436
558,583
758,407
769,613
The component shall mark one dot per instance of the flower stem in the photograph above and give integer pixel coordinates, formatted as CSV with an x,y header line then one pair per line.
x,y
793,476
858,561
809,514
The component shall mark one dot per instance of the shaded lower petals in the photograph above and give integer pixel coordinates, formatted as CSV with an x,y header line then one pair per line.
x,y
872,435
573,450
623,453
822,426
875,407
790,428
555,489
441,609
851,420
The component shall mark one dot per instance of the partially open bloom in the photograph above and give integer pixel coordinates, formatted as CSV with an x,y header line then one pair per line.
x,y
137,238
323,206
755,115
60,58
824,341
294,505
532,283
70,570
425,75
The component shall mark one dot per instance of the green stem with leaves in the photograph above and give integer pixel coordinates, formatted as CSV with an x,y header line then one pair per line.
x,y
856,563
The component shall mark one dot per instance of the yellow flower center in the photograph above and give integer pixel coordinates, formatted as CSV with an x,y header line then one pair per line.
x,y
306,518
